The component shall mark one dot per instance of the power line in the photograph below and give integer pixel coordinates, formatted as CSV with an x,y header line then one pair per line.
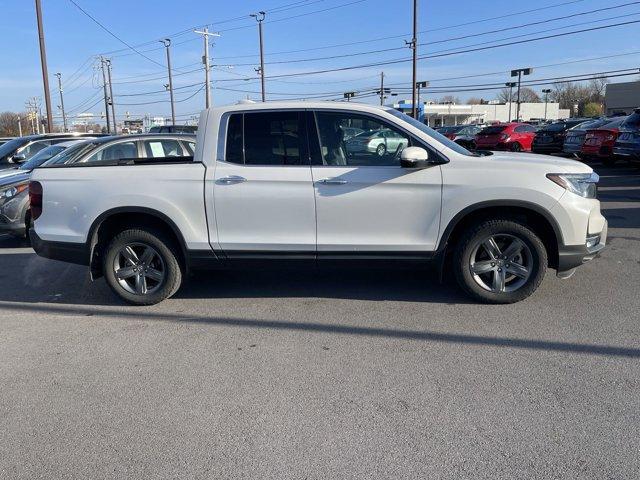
x,y
376,52
113,34
423,57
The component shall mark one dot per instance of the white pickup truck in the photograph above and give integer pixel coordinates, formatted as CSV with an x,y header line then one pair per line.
x,y
313,183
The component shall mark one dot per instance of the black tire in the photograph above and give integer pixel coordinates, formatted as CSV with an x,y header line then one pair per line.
x,y
516,147
469,243
163,247
381,150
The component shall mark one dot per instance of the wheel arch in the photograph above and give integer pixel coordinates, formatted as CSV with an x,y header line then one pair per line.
x,y
115,220
537,217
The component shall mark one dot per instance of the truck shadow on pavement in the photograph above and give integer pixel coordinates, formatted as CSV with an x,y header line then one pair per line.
x,y
413,335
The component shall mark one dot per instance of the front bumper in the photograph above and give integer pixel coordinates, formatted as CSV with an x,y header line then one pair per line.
x,y
64,251
572,256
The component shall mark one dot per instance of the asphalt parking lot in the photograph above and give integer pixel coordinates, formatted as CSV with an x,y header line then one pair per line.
x,y
383,374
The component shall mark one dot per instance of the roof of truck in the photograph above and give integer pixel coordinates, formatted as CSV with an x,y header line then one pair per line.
x,y
297,104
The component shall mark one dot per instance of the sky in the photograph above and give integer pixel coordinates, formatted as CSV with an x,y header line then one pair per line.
x,y
298,38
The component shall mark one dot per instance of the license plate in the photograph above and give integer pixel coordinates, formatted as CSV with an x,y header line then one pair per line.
x,y
591,141
626,136
545,140
573,140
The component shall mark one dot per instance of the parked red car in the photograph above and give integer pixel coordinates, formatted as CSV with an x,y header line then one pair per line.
x,y
515,137
598,142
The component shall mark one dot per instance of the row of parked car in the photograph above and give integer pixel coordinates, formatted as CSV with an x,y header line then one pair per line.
x,y
20,156
605,138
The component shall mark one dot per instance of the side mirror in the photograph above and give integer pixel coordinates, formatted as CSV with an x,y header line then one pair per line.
x,y
414,157
20,157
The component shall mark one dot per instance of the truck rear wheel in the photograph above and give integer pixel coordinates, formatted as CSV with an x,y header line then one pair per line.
x,y
500,261
141,267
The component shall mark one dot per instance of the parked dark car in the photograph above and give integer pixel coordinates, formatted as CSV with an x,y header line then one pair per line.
x,y
188,129
575,136
550,138
627,145
450,131
14,198
515,137
4,140
599,142
467,136
21,149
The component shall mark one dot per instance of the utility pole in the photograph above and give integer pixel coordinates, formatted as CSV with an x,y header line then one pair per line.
x,y
349,95
113,108
381,88
413,44
106,98
43,61
260,18
167,43
207,65
546,92
510,85
518,73
64,118
19,127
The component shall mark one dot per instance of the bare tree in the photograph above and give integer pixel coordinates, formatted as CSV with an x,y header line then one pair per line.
x,y
449,99
475,101
527,95
9,124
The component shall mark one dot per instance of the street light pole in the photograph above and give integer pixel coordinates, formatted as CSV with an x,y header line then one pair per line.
x,y
112,100
420,85
64,118
414,48
510,85
260,18
19,126
546,92
518,73
43,62
381,88
167,43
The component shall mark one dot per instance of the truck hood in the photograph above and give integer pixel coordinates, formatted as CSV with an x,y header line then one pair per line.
x,y
532,160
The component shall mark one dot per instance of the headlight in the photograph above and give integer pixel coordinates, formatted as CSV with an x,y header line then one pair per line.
x,y
13,191
583,184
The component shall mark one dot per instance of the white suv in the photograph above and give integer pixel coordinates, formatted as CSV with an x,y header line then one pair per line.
x,y
279,182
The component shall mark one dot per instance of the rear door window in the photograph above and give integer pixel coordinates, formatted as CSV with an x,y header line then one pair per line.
x,y
158,148
117,151
267,138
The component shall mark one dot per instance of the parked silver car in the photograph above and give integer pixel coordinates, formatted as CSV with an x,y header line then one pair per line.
x,y
378,142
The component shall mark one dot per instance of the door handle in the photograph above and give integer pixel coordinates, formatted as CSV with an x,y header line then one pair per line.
x,y
231,179
332,181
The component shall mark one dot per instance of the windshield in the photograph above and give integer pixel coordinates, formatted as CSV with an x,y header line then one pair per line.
x,y
41,157
614,123
493,130
590,124
11,146
438,137
632,122
71,154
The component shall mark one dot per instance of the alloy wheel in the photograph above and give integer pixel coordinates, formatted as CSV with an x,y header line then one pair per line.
x,y
139,269
501,263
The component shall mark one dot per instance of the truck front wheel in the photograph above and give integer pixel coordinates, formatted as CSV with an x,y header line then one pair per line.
x,y
500,261
141,267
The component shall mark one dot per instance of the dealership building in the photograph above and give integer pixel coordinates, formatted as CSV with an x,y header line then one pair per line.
x,y
622,97
439,114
